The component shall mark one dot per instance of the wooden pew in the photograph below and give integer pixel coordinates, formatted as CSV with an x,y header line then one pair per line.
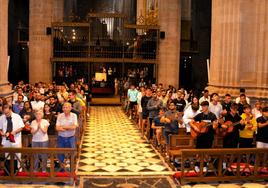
x,y
178,142
218,141
223,165
26,162
27,140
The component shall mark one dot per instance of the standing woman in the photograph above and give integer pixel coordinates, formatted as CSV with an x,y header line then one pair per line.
x,y
51,118
39,128
27,116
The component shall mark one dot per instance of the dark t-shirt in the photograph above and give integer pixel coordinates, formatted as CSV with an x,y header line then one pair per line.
x,y
180,104
144,102
210,117
262,133
234,119
240,108
226,106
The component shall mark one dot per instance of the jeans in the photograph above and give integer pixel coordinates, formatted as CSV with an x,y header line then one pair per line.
x,y
65,142
38,156
245,142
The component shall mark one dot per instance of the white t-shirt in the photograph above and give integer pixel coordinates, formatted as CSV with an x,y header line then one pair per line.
x,y
202,99
37,105
237,100
17,123
39,136
216,109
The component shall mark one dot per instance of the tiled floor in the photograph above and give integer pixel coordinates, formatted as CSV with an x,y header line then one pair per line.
x,y
113,146
127,182
228,185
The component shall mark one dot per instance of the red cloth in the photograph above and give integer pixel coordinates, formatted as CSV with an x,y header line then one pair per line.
x,y
186,174
11,138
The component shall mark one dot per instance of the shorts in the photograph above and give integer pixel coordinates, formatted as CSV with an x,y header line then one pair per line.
x,y
145,114
132,104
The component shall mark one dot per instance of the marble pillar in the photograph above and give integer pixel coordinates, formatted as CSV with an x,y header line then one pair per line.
x,y
169,48
140,15
58,11
40,44
141,8
5,87
239,47
42,14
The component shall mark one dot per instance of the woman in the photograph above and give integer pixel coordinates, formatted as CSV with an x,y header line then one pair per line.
x,y
27,115
51,118
39,128
194,101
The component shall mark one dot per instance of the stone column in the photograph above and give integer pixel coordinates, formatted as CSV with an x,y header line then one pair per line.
x,y
169,49
58,10
40,44
141,8
239,47
42,14
5,88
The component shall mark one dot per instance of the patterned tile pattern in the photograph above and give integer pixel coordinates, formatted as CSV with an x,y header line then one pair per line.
x,y
129,181
113,146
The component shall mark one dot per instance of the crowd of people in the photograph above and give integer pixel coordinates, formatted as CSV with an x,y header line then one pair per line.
x,y
167,109
42,110
49,109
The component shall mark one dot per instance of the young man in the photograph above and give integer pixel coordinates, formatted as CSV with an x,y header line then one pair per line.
x,y
153,106
170,120
180,101
188,116
246,135
226,104
205,140
37,104
76,105
241,104
11,126
230,140
242,91
158,126
145,112
205,96
132,95
18,106
214,106
262,133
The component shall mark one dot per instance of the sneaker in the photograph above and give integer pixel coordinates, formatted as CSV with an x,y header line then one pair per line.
x,y
205,169
129,117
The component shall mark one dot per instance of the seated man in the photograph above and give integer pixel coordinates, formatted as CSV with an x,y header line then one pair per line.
x,y
158,126
188,115
171,119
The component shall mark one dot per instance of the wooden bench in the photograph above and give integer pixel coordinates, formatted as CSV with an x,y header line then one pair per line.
x,y
27,140
178,142
26,165
223,165
183,141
